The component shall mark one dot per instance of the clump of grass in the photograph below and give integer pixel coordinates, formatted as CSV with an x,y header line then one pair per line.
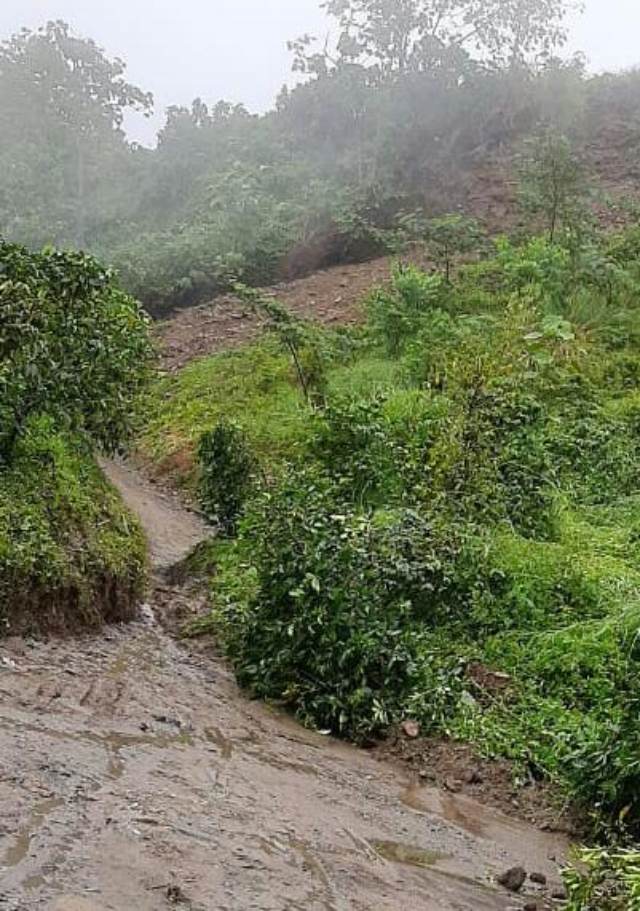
x,y
255,387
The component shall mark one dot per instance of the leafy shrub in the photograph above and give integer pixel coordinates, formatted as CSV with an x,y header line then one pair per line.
x,y
597,453
227,473
538,267
351,440
72,346
395,314
604,879
331,628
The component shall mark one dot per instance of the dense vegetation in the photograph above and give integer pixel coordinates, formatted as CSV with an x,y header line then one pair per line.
x,y
393,119
447,530
74,359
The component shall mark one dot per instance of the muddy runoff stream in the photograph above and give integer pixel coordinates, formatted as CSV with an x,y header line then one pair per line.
x,y
135,775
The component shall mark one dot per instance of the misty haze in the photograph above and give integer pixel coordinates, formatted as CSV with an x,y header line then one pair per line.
x,y
320,455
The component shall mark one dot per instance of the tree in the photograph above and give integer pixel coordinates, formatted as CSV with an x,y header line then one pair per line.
x,y
553,184
396,36
446,238
299,338
62,106
72,347
452,236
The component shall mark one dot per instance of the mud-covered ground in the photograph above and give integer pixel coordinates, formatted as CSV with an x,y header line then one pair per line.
x,y
135,775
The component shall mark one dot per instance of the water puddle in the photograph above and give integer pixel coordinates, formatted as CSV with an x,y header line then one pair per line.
x,y
524,842
409,855
19,850
112,741
460,811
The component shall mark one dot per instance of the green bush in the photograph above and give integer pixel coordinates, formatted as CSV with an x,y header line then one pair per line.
x,y
72,346
331,628
604,879
395,314
227,473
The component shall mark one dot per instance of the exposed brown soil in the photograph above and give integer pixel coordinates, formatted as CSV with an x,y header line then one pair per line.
x,y
333,297
134,774
108,599
171,528
457,769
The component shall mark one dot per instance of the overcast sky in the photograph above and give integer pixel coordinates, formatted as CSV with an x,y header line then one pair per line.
x,y
236,49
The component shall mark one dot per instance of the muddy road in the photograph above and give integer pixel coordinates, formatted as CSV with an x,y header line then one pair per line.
x,y
135,775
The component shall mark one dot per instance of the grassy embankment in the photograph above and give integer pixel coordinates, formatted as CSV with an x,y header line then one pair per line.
x,y
71,556
450,533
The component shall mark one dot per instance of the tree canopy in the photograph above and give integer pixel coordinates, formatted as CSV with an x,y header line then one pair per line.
x,y
396,36
62,106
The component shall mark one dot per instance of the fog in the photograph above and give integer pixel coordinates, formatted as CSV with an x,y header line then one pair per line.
x,y
236,49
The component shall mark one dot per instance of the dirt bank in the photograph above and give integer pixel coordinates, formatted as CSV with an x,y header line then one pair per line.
x,y
333,297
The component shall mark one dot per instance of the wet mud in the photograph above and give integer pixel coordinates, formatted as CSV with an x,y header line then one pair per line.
x,y
135,775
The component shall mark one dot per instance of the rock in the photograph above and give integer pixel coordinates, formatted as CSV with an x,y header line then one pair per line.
x,y
513,879
531,906
559,894
411,729
166,719
538,878
175,896
453,785
473,776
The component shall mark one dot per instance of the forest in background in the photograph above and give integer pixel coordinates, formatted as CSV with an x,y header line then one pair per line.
x,y
425,111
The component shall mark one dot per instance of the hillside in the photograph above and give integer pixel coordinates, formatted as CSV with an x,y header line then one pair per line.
x,y
320,475
441,526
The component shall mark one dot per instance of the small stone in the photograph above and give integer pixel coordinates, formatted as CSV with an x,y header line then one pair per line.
x,y
531,906
176,896
513,879
411,729
559,894
473,776
539,878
